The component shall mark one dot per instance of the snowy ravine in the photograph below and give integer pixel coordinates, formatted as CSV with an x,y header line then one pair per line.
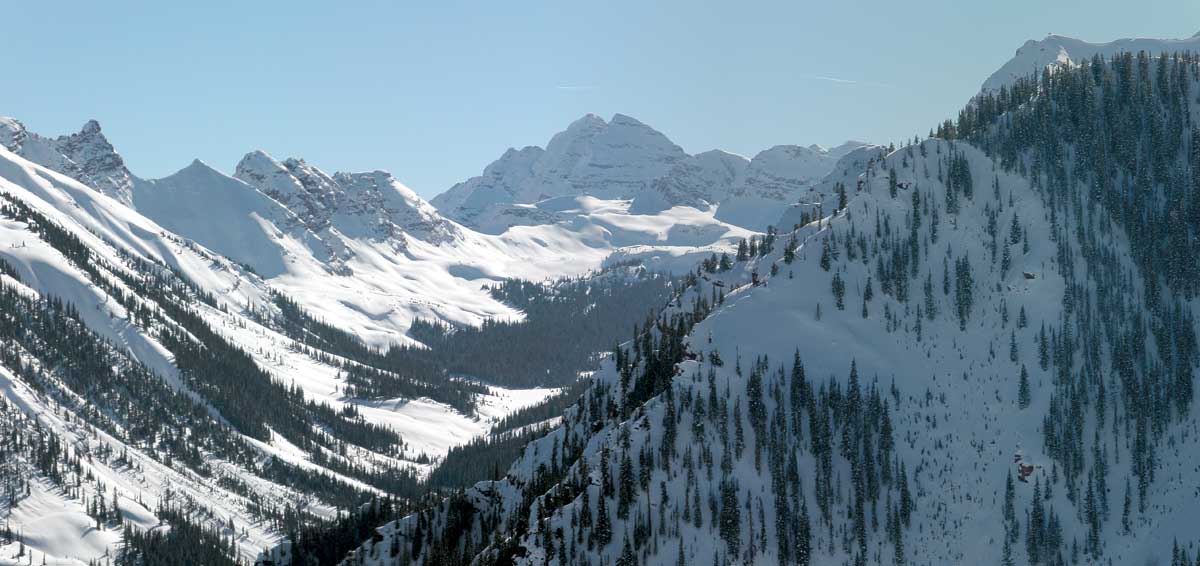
x,y
951,282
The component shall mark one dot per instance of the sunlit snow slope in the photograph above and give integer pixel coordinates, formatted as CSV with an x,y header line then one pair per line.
x,y
901,430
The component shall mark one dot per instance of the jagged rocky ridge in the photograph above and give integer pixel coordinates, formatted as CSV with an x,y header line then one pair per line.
x,y
85,156
363,250
624,159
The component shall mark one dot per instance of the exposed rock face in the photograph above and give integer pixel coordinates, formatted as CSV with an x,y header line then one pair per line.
x,y
372,204
624,159
608,160
86,156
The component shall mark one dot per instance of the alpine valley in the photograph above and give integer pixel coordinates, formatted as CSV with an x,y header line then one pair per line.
x,y
977,346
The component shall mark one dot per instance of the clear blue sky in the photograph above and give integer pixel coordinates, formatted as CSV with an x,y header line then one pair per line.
x,y
434,91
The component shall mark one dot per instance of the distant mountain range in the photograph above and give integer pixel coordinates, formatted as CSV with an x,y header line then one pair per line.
x,y
624,159
385,256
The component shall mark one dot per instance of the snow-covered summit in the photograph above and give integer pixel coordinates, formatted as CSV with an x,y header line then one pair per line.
x,y
610,160
306,190
624,159
371,204
1033,56
86,156
222,213
391,208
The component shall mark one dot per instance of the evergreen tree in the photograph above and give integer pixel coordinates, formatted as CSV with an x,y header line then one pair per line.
x,y
1006,557
602,533
839,291
1023,394
1126,525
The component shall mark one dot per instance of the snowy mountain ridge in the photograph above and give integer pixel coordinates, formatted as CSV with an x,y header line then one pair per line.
x,y
86,156
360,205
366,251
1033,56
607,160
624,159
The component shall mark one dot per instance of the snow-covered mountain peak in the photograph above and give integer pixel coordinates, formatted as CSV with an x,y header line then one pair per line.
x,y
615,159
391,208
380,180
625,159
199,165
90,128
514,154
86,156
98,160
624,120
371,204
254,159
607,159
836,151
579,132
12,133
197,174
796,161
303,189
258,162
587,122
1033,56
721,156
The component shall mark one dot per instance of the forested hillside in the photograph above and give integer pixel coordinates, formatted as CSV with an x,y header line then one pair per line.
x,y
982,351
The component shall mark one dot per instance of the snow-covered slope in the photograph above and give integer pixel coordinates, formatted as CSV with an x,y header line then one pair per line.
x,y
698,181
358,249
913,314
1034,56
778,177
225,215
367,254
136,289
